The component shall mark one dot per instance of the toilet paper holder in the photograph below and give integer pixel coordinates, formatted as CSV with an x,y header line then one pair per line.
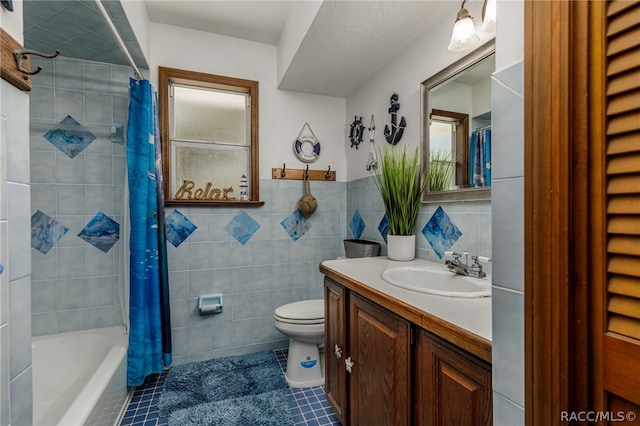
x,y
210,304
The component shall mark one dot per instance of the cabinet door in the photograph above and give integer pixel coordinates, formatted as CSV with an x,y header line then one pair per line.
x,y
379,382
452,387
335,375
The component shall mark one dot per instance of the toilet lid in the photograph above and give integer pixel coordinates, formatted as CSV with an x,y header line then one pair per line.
x,y
308,311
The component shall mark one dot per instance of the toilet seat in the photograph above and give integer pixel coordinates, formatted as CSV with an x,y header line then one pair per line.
x,y
302,312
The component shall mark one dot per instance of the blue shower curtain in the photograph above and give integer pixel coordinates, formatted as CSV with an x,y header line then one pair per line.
x,y
149,333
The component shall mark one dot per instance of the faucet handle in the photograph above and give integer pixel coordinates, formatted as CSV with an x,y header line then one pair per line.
x,y
476,267
453,254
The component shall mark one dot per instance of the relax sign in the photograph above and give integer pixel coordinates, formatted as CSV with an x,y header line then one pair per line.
x,y
188,191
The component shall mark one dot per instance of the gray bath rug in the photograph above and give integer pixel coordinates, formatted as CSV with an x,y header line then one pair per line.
x,y
226,386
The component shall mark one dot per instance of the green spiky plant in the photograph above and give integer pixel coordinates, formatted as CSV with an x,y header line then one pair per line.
x,y
401,185
440,170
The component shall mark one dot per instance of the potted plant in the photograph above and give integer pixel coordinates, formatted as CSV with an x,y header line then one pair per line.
x,y
401,185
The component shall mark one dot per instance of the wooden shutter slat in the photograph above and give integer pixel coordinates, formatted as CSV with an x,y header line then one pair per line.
x,y
624,225
623,325
627,306
624,62
629,163
624,266
625,184
627,102
622,83
623,42
624,245
624,204
624,21
629,142
623,123
615,7
623,285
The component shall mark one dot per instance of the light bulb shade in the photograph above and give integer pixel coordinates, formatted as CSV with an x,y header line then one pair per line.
x,y
464,35
489,17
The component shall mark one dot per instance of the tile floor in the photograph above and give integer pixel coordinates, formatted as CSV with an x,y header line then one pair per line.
x,y
307,406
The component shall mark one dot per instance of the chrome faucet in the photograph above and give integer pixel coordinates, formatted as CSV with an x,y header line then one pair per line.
x,y
463,268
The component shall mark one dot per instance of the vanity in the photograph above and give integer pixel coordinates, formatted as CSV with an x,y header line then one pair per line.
x,y
396,356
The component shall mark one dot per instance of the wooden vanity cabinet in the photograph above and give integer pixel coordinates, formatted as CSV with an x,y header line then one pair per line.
x,y
394,379
368,360
452,387
335,316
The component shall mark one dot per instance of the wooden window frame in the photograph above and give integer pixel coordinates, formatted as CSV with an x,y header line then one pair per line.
x,y
461,122
197,79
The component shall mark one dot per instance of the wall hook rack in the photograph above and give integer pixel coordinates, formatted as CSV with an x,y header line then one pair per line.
x,y
302,174
21,55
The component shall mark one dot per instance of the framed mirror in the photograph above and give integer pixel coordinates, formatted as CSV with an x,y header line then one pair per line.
x,y
456,129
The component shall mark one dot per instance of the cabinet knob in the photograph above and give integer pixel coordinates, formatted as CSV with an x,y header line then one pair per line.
x,y
338,352
349,364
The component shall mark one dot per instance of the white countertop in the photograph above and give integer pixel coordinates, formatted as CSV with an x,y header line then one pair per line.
x,y
470,314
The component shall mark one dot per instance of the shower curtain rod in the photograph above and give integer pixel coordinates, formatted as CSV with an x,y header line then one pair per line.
x,y
116,34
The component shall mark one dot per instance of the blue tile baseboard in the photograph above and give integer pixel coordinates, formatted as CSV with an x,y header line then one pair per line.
x,y
308,406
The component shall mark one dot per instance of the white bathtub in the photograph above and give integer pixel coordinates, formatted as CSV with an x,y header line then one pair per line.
x,y
80,378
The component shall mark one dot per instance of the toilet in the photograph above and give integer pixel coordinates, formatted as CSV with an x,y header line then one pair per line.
x,y
303,323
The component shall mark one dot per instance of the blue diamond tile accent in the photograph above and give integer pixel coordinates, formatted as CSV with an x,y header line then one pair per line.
x,y
242,227
70,137
1,269
178,227
441,232
383,227
45,231
102,232
357,225
296,225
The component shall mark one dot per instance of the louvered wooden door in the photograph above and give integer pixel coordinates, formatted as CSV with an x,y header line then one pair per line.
x,y
616,290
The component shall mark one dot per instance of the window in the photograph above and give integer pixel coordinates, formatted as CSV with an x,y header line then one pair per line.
x,y
449,133
209,129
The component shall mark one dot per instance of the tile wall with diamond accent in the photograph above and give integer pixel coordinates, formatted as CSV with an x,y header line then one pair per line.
x,y
77,192
441,227
259,258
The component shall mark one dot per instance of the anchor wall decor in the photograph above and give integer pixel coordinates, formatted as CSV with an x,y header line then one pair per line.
x,y
394,134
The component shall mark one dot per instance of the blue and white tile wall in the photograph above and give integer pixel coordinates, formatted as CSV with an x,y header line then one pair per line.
x,y
471,222
77,184
508,239
15,262
258,258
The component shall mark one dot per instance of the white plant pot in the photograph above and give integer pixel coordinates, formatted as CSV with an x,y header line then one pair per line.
x,y
401,247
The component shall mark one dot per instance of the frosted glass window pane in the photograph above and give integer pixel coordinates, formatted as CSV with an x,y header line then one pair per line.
x,y
210,115
222,168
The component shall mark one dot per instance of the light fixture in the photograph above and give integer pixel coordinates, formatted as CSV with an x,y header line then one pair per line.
x,y
464,33
489,16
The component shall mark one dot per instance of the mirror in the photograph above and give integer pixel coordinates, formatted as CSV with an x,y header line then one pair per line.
x,y
456,129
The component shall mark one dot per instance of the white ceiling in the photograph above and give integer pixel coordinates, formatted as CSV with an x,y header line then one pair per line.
x,y
347,42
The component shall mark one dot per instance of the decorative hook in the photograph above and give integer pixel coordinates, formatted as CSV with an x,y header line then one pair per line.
x,y
306,173
21,55
327,175
283,173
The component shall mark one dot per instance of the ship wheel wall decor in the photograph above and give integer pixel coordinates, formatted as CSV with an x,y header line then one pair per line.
x,y
356,132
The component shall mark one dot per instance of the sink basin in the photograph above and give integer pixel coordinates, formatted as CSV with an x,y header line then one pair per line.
x,y
431,280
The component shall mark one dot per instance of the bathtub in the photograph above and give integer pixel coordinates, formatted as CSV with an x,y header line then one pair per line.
x,y
80,378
